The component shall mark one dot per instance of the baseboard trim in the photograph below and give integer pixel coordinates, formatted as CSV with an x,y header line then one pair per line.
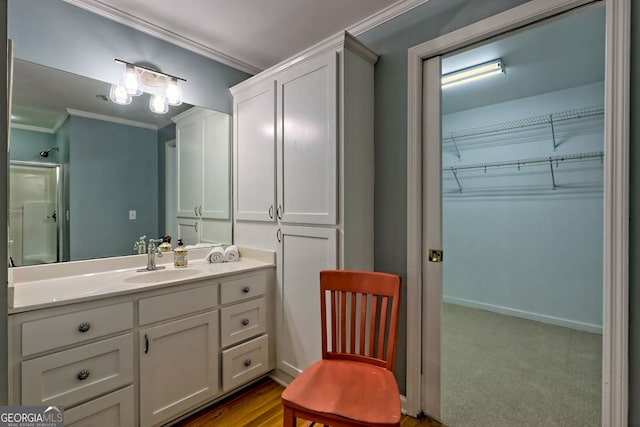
x,y
543,318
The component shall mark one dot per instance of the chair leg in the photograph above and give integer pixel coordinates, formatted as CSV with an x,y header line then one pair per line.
x,y
288,419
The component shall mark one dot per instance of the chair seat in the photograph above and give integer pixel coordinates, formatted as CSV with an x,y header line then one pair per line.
x,y
353,390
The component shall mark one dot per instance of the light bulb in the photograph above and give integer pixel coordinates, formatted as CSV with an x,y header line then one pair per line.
x,y
132,81
119,95
172,92
158,104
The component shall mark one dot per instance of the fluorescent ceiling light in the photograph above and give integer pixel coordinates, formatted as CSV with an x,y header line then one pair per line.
x,y
470,74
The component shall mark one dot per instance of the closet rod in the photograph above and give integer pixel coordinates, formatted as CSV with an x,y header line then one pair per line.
x,y
546,119
536,160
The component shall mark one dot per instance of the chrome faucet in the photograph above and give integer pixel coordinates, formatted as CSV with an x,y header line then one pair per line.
x,y
152,251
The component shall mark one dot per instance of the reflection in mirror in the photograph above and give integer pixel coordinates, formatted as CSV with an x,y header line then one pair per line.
x,y
88,177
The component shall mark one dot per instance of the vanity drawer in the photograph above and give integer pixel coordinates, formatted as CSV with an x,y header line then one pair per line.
x,y
74,328
244,362
243,288
176,304
72,376
242,321
114,410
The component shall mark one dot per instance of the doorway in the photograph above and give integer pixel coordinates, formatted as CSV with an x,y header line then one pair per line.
x,y
425,178
34,208
522,203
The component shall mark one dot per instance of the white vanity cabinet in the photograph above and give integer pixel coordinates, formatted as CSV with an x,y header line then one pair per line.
x,y
203,166
243,329
178,354
324,171
147,357
75,357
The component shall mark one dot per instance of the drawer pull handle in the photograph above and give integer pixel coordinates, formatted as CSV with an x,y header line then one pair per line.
x,y
245,322
247,363
84,327
146,344
83,374
246,289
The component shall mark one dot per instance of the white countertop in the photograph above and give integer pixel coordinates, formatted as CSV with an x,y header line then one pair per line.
x,y
64,289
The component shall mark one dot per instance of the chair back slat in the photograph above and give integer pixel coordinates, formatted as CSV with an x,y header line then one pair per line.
x,y
363,310
363,321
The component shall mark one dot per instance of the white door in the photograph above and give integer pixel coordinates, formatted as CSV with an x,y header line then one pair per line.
x,y
178,366
307,142
255,153
189,144
302,253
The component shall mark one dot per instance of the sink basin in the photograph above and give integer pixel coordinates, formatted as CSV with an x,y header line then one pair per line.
x,y
157,276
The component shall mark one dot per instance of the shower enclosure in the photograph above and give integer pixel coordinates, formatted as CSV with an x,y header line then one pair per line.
x,y
34,213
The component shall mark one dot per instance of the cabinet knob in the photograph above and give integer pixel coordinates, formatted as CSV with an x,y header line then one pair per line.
x,y
245,322
247,363
246,289
83,374
84,327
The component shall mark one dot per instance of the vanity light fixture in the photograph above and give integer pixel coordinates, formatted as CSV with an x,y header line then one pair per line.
x,y
476,72
136,77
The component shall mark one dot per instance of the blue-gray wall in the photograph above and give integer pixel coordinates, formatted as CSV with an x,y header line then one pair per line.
x,y
63,36
113,169
392,40
26,145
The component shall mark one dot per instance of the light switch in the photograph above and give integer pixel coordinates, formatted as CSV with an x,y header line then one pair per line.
x,y
132,214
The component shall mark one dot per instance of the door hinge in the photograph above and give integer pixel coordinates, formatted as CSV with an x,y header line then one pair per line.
x,y
435,255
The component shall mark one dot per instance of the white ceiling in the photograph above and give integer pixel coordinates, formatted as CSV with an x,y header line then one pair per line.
x,y
251,34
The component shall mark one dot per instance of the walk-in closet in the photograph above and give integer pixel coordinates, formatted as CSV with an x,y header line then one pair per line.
x,y
522,209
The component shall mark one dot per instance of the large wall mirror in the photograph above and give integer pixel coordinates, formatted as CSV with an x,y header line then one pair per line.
x,y
88,177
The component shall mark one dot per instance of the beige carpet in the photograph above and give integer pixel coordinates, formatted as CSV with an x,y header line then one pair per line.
x,y
505,371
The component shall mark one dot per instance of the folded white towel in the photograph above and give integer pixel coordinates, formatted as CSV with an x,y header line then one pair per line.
x,y
215,255
231,254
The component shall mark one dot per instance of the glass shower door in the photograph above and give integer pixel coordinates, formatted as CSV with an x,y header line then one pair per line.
x,y
33,213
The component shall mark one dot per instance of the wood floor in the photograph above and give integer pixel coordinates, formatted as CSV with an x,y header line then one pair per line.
x,y
259,406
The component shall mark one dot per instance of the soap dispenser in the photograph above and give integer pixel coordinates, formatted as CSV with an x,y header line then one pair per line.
x,y
165,246
180,255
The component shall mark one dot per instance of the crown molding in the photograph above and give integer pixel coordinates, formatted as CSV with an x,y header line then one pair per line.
x,y
100,8
384,15
104,118
32,128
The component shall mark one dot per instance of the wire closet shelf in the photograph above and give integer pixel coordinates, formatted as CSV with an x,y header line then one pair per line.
x,y
541,120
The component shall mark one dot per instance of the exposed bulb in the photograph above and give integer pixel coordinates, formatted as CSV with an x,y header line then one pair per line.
x,y
158,104
132,81
172,92
119,95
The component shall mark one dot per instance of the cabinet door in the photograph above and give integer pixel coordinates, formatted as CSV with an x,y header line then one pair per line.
x,y
302,253
188,231
189,144
178,367
216,186
307,142
255,149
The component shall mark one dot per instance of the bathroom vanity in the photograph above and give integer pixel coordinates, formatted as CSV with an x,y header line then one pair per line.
x,y
127,348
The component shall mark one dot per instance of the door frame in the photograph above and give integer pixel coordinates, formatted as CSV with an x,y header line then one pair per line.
x,y
616,196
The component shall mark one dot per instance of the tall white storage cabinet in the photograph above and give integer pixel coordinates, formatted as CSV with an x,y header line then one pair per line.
x,y
204,187
304,128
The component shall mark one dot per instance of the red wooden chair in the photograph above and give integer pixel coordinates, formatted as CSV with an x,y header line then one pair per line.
x,y
353,383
